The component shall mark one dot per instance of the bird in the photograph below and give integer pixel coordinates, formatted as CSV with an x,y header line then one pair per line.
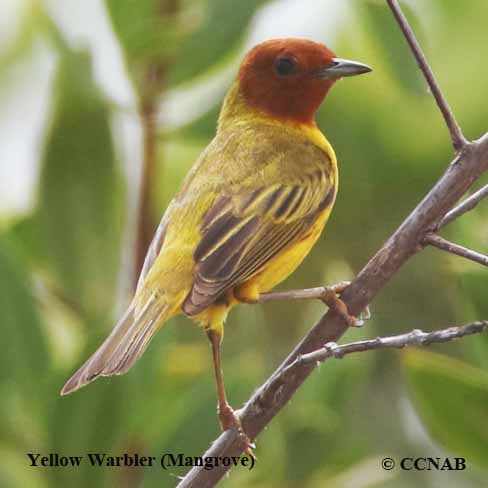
x,y
248,212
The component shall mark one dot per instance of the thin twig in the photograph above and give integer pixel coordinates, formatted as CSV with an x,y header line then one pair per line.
x,y
445,245
457,137
414,337
318,293
465,206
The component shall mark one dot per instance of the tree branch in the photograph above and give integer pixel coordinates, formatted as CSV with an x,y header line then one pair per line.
x,y
415,337
457,137
470,162
468,204
445,245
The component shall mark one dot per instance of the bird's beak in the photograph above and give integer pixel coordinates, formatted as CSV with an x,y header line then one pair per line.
x,y
341,67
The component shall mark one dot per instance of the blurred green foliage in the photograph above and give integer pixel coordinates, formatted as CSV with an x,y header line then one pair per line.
x,y
60,265
80,213
443,388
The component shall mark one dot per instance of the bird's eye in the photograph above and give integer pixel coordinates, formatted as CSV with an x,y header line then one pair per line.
x,y
285,66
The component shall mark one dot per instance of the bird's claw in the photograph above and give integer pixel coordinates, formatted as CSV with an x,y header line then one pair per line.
x,y
331,298
229,419
365,315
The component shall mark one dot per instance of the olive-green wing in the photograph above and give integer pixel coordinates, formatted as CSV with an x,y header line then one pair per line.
x,y
241,234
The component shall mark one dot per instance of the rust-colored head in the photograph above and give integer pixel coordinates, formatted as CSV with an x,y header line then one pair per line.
x,y
289,78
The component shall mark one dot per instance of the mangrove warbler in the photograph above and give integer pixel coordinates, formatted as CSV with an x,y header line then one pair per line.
x,y
249,211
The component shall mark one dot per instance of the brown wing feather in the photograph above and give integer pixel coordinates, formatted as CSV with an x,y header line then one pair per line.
x,y
241,234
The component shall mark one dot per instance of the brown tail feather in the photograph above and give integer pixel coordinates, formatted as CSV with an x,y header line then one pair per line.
x,y
123,347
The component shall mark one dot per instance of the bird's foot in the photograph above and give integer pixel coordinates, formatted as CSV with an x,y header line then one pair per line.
x,y
229,419
331,297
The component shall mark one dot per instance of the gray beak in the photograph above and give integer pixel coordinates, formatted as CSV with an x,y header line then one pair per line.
x,y
341,67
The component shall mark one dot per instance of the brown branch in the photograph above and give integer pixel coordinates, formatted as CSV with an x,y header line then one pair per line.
x,y
465,206
457,137
445,245
413,338
470,162
144,224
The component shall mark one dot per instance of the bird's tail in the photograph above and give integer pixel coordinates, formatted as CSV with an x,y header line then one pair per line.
x,y
124,346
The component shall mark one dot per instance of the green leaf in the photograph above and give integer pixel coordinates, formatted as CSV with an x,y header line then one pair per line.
x,y
146,28
23,234
149,32
219,34
451,398
21,325
172,41
79,219
24,362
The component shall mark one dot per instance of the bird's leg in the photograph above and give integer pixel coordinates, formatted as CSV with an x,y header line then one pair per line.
x,y
330,295
227,415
